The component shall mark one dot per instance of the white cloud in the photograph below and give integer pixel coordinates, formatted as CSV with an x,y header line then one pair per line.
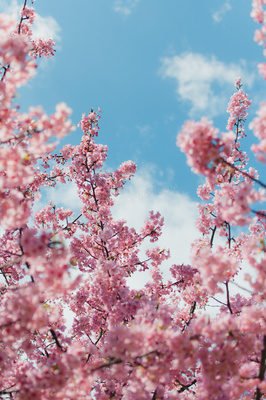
x,y
64,195
125,7
219,14
46,28
10,8
144,130
196,75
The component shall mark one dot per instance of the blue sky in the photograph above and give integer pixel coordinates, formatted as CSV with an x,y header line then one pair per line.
x,y
149,65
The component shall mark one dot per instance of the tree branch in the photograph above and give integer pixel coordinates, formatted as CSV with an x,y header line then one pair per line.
x,y
262,369
56,340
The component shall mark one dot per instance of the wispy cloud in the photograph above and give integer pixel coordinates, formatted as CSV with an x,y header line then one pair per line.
x,y
125,7
62,195
8,7
197,77
144,130
46,28
219,14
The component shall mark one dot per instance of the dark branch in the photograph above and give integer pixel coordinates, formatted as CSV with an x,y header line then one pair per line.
x,y
56,340
243,173
262,370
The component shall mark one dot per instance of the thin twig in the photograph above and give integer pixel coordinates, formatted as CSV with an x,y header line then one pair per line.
x,y
56,340
243,172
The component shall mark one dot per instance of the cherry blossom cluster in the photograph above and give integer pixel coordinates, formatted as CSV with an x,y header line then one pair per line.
x,y
237,108
231,198
71,324
202,145
39,47
258,14
259,129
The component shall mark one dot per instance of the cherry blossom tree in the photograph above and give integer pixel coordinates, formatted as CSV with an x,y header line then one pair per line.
x,y
154,343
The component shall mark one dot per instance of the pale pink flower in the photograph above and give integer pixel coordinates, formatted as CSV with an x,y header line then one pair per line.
x,y
200,142
258,125
237,107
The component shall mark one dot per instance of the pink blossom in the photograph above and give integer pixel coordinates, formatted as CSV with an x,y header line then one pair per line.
x,y
234,202
214,267
28,13
257,14
259,37
258,127
237,107
199,140
203,148
153,226
43,47
32,245
262,69
72,325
